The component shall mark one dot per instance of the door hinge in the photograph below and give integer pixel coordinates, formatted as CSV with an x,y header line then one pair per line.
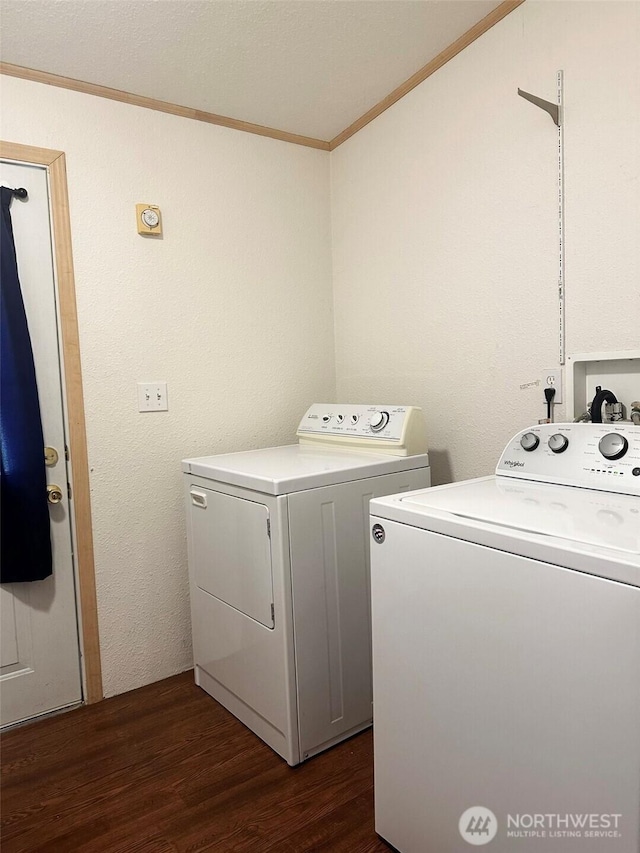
x,y
66,452
69,495
269,528
273,614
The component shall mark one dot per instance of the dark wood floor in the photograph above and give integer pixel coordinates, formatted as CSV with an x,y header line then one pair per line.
x,y
165,769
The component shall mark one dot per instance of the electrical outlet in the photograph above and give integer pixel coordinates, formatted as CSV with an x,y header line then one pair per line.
x,y
152,397
552,378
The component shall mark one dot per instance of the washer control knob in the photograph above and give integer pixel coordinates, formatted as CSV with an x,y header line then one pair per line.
x,y
378,421
558,443
529,441
354,419
613,445
339,418
326,418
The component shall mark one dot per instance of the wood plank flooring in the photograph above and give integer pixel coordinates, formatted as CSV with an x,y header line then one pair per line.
x,y
165,769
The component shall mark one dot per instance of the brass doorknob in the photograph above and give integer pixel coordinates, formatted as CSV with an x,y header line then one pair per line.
x,y
54,494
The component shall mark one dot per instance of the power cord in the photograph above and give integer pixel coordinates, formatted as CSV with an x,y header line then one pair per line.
x,y
549,394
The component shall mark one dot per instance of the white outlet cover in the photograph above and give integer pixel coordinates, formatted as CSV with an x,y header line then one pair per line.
x,y
552,378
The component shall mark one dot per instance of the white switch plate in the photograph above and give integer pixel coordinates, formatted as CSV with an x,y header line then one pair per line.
x,y
552,378
152,397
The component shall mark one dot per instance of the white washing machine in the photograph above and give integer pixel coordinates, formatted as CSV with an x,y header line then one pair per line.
x,y
506,651
278,545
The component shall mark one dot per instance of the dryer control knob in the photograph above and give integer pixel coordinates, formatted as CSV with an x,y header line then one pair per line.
x,y
558,443
529,441
613,445
378,421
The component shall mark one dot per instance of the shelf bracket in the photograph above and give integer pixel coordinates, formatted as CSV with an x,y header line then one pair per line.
x,y
547,106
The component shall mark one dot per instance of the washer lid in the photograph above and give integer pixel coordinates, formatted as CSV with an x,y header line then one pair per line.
x,y
578,515
584,529
294,467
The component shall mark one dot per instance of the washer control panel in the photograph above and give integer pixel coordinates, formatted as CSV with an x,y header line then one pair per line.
x,y
397,430
594,456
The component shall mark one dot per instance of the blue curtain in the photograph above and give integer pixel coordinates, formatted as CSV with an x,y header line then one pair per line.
x,y
26,539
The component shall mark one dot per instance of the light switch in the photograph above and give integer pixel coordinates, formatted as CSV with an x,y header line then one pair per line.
x,y
152,397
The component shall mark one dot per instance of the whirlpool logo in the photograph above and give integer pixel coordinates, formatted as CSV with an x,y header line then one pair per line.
x,y
510,463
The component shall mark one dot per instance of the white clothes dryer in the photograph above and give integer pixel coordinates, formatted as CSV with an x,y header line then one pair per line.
x,y
506,651
279,571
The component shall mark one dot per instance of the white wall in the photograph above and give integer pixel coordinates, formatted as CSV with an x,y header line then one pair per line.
x,y
232,307
445,228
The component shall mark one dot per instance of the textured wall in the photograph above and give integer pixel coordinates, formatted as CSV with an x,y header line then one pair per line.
x,y
232,307
445,228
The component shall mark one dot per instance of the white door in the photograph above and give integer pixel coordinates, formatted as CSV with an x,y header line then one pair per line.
x,y
40,666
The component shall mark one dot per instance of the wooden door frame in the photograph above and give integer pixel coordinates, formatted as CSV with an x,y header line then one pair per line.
x,y
80,506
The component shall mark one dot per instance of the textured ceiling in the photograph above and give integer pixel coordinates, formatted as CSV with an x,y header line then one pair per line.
x,y
309,67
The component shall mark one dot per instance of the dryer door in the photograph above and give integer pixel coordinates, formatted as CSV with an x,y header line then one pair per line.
x,y
232,552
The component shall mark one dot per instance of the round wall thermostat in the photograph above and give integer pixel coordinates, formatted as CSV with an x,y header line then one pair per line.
x,y
150,217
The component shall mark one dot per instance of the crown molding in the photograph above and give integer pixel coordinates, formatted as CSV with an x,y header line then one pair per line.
x,y
427,70
430,68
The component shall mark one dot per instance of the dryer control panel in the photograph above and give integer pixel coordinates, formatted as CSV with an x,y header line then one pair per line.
x,y
395,430
593,456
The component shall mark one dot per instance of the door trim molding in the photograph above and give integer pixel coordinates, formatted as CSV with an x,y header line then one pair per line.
x,y
81,504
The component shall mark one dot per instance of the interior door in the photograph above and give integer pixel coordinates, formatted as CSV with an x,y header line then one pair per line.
x,y
40,664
